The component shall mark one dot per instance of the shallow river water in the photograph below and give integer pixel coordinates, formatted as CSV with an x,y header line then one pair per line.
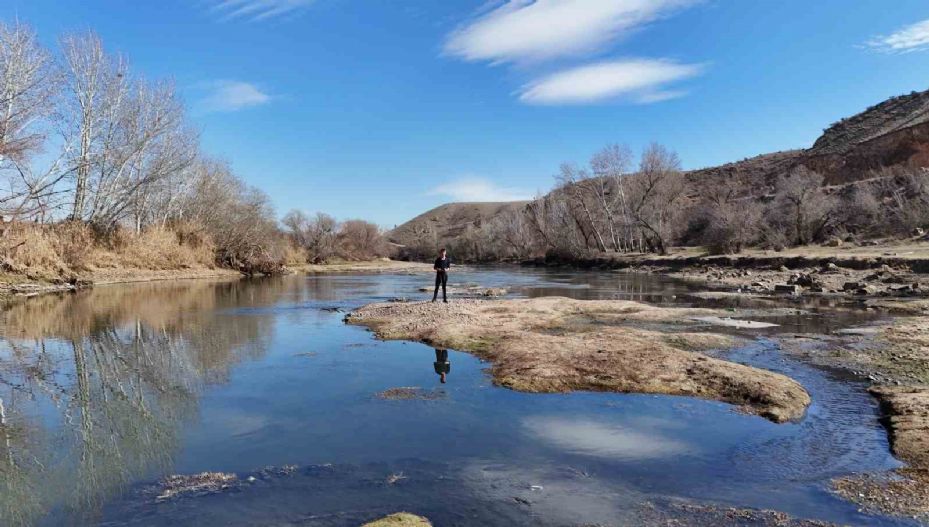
x,y
106,391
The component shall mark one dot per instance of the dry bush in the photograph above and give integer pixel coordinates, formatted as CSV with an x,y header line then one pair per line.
x,y
46,251
360,240
293,255
63,249
30,248
726,218
160,248
801,210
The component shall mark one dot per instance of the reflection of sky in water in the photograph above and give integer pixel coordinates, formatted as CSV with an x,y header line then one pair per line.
x,y
633,441
270,377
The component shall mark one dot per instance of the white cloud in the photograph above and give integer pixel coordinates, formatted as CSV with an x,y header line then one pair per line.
x,y
644,80
478,189
256,10
229,96
914,37
543,29
595,438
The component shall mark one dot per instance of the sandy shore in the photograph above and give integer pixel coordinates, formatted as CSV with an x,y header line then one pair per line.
x,y
369,267
558,344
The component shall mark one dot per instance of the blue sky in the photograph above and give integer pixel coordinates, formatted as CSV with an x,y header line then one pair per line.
x,y
381,109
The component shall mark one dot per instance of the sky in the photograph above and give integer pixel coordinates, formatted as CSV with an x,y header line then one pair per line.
x,y
382,109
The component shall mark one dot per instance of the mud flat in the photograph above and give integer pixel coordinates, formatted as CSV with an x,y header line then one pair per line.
x,y
556,344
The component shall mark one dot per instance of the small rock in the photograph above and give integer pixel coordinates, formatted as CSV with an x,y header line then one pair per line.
x,y
792,289
852,286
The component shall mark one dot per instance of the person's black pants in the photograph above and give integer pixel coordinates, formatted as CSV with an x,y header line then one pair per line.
x,y
441,278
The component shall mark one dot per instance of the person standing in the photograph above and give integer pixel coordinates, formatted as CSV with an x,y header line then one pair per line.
x,y
441,266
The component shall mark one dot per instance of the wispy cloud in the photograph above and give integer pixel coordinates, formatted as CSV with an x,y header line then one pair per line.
x,y
532,30
914,37
230,96
478,189
527,32
643,81
256,10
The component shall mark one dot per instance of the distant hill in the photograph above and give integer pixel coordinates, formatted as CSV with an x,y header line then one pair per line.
x,y
892,133
448,221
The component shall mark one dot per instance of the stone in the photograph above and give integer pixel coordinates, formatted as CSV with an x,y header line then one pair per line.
x,y
792,289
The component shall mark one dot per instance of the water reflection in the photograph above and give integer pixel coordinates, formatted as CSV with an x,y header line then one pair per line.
x,y
109,389
442,366
645,439
94,386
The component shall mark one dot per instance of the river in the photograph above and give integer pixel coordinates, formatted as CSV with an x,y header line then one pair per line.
x,y
107,391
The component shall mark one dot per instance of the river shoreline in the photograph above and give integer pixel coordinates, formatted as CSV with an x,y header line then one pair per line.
x,y
22,285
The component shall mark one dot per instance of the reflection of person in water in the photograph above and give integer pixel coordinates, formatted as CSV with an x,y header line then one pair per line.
x,y
442,366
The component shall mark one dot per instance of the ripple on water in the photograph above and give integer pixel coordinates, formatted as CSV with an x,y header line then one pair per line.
x,y
839,434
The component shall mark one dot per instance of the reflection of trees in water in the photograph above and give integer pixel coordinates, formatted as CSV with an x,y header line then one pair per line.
x,y
94,386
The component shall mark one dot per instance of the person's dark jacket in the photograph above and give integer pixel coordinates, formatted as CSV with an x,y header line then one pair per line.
x,y
442,265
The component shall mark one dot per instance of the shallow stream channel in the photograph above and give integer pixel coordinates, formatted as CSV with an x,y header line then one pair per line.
x,y
304,420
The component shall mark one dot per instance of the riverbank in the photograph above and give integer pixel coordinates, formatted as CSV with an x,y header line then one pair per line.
x,y
895,270
893,355
20,286
379,266
25,283
555,344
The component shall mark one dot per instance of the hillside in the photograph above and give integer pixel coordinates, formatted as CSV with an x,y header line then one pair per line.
x,y
447,222
892,133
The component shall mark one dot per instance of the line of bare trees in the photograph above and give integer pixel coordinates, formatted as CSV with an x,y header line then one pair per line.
x,y
615,206
83,138
321,238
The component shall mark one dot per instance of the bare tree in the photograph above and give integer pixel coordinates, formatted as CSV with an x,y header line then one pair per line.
x,y
578,186
98,87
28,84
801,207
656,194
731,220
359,239
610,165
316,236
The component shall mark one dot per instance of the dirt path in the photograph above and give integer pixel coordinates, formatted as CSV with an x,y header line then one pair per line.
x,y
556,344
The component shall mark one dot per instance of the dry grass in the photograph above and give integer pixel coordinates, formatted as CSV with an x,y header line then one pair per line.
x,y
558,344
65,251
400,519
